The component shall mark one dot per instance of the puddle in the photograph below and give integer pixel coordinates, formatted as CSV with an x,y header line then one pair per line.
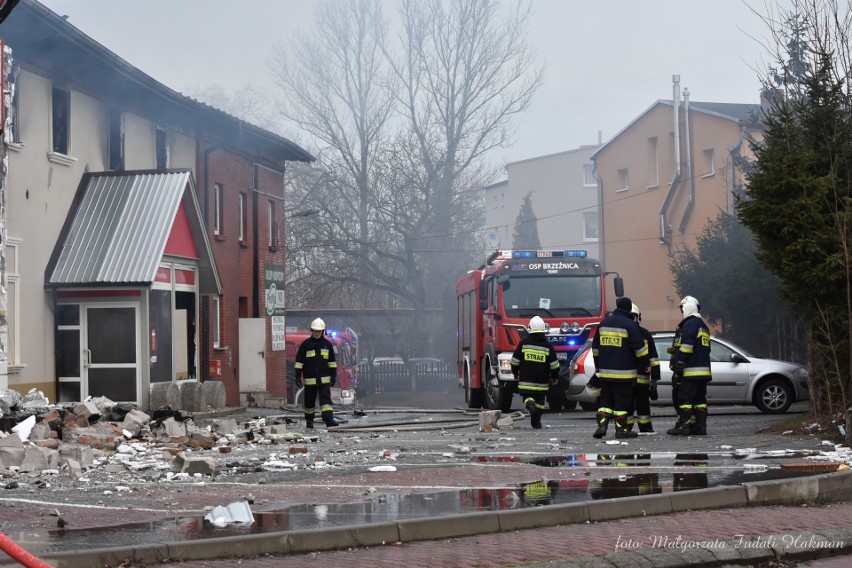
x,y
659,473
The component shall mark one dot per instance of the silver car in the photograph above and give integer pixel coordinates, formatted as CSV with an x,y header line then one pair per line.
x,y
738,377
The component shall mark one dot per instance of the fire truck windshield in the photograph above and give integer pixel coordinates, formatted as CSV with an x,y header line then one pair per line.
x,y
549,295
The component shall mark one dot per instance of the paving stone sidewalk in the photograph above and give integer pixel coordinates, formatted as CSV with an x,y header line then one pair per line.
x,y
752,535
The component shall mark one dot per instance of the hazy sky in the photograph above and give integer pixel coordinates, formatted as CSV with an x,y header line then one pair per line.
x,y
607,60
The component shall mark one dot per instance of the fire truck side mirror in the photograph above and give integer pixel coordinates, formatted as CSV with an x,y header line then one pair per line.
x,y
504,281
483,295
618,284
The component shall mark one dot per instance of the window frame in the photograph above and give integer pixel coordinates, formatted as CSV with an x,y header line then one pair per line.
x,y
624,179
115,136
216,324
243,200
217,209
13,305
653,146
589,177
709,156
161,149
60,146
271,225
586,216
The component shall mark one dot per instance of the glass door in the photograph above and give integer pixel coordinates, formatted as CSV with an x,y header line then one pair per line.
x,y
110,354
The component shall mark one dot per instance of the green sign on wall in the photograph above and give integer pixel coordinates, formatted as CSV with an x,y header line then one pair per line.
x,y
274,286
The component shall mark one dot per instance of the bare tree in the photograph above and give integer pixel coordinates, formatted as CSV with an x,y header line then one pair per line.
x,y
402,128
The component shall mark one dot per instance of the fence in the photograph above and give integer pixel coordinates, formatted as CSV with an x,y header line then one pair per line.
x,y
415,376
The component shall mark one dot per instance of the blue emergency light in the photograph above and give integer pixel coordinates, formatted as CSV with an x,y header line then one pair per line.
x,y
576,253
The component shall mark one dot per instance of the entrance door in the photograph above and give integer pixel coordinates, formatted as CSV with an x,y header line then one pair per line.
x,y
98,352
252,349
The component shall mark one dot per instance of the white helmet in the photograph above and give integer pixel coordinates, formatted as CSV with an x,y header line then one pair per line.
x,y
318,325
689,306
537,325
634,311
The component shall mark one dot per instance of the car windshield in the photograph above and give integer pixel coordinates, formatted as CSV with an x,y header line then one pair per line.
x,y
547,295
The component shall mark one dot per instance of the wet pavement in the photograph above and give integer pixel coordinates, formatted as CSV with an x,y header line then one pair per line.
x,y
369,474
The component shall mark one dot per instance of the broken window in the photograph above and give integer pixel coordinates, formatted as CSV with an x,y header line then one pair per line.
x,y
116,139
162,149
60,118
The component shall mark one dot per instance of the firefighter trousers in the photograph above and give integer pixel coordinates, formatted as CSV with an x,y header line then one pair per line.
x,y
323,392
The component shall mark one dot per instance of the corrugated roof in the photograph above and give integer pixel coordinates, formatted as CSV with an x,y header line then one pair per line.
x,y
117,228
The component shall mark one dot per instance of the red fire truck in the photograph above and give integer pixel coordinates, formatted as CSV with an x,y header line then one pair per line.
x,y
346,352
496,302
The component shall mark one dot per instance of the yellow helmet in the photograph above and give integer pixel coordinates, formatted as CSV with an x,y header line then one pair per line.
x,y
318,325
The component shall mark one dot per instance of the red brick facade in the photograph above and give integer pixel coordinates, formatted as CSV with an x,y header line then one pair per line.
x,y
241,262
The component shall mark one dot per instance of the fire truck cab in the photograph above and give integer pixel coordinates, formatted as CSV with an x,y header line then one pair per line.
x,y
496,302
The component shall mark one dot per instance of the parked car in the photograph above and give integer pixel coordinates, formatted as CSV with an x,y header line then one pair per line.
x,y
738,377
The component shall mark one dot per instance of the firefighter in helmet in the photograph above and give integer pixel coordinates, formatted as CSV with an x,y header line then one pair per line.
x,y
690,364
645,389
535,366
619,351
316,362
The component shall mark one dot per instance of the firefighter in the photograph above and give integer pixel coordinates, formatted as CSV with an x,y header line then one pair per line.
x,y
315,360
645,389
690,363
535,367
619,350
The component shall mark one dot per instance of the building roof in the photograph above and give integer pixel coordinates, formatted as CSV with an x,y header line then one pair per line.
x,y
44,40
117,228
736,112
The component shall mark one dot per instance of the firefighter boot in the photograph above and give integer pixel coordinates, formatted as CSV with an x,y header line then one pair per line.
x,y
309,424
630,422
621,430
645,424
682,426
603,422
700,426
535,414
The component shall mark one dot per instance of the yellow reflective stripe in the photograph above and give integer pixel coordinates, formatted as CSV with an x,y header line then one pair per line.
x,y
533,386
299,365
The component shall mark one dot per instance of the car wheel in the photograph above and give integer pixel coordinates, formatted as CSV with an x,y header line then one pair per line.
x,y
589,406
773,396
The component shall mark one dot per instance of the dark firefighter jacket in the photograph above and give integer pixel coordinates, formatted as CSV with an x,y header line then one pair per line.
x,y
619,348
692,349
534,363
642,378
315,360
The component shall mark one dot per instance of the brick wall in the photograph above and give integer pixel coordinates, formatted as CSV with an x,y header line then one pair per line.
x,y
242,283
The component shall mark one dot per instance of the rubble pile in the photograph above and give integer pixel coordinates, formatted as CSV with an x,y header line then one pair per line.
x,y
37,438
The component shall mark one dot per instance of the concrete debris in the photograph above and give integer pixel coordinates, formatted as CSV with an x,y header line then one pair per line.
x,y
99,436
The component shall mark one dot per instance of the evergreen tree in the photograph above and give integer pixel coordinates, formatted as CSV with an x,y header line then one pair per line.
x,y
735,289
797,204
525,236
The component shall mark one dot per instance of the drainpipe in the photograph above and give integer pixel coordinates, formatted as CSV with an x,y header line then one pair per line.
x,y
690,181
204,371
676,179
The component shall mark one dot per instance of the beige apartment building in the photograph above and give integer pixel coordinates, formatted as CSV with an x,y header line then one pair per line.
x,y
661,178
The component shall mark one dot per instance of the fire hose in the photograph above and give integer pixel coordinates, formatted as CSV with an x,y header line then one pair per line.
x,y
20,555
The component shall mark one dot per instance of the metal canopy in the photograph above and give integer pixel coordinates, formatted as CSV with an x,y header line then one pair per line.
x,y
118,226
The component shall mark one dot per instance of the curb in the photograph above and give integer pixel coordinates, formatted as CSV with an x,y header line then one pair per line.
x,y
825,488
